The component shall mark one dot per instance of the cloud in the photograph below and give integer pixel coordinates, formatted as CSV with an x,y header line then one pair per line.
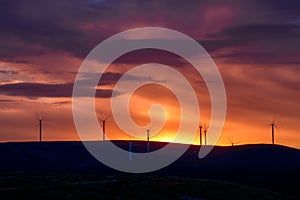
x,y
257,32
139,57
111,78
36,90
34,27
61,103
7,101
8,72
256,44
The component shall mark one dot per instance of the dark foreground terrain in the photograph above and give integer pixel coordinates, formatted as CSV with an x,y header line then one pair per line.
x,y
20,186
65,170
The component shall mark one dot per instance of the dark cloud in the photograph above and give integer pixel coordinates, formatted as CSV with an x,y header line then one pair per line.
x,y
36,90
258,32
7,101
257,43
75,27
109,78
139,57
32,27
281,9
218,44
253,57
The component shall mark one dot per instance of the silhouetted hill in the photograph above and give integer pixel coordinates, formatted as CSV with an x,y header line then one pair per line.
x,y
272,167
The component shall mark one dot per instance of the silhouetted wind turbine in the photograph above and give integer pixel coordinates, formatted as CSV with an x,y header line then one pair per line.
x,y
103,129
103,120
232,141
205,134
200,135
40,119
148,136
273,125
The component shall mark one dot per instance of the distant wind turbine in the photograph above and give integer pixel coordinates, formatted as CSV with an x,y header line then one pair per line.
x,y
103,120
40,119
205,135
273,124
232,141
148,135
103,129
200,135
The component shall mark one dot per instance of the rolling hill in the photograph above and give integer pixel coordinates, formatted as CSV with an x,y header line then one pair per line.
x,y
272,168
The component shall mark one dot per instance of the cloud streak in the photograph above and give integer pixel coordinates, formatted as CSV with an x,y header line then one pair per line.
x,y
37,90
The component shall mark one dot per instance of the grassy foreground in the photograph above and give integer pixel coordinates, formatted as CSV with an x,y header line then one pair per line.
x,y
37,186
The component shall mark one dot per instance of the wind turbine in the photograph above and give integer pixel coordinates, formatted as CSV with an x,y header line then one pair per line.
x,y
205,134
273,125
40,119
103,121
200,135
231,141
103,129
148,135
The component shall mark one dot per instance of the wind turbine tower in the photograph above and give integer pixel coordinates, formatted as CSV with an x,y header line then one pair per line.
x,y
205,133
272,126
103,129
41,124
103,120
40,119
200,134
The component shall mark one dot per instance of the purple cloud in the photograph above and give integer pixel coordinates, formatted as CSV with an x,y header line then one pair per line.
x,y
36,90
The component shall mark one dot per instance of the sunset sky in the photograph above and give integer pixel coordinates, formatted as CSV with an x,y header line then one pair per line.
x,y
255,44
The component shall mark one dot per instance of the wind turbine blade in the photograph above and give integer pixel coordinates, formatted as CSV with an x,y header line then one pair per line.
x,y
231,142
37,116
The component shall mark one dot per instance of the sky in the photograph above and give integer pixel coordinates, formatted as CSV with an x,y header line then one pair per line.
x,y
254,43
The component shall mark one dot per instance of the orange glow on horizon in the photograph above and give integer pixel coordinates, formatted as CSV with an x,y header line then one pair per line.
x,y
253,99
